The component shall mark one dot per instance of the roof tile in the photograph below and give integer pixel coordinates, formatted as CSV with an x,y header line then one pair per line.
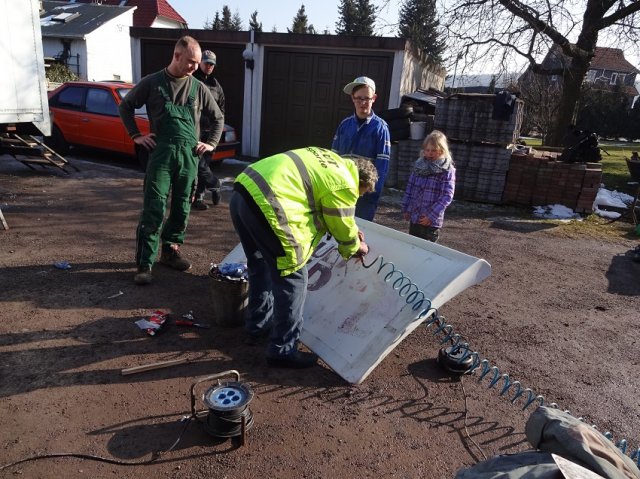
x,y
147,11
611,59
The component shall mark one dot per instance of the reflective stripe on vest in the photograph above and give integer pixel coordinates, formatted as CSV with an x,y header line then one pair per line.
x,y
341,212
270,196
345,243
308,188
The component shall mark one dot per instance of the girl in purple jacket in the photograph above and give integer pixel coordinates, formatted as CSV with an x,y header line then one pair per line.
x,y
430,188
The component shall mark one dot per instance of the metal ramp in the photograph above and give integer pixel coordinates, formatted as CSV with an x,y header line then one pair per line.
x,y
31,152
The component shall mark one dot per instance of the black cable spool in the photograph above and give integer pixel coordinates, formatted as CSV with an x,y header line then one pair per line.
x,y
455,360
228,405
228,414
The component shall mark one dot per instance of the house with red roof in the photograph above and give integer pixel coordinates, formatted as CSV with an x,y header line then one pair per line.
x,y
91,37
608,68
148,13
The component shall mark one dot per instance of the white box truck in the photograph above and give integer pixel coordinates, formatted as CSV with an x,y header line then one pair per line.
x,y
23,85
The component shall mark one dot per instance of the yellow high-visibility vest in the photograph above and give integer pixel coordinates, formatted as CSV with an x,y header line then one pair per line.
x,y
304,194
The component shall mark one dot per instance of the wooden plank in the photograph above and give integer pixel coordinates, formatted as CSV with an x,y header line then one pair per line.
x,y
153,366
4,222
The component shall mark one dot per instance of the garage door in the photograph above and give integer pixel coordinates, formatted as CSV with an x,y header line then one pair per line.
x,y
302,98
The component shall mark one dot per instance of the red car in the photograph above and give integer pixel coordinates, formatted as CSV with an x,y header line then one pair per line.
x,y
85,113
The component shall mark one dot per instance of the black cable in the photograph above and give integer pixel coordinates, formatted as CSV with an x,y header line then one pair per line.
x,y
155,455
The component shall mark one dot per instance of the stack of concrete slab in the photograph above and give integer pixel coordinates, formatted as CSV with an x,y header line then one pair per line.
x,y
480,131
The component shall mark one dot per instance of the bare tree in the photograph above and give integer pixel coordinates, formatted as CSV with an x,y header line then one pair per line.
x,y
541,103
504,32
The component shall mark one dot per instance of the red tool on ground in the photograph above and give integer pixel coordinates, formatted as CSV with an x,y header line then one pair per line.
x,y
193,324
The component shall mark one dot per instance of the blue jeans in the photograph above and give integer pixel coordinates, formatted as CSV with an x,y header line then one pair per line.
x,y
368,203
275,301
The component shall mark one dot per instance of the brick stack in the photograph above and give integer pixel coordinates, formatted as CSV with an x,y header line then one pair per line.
x,y
478,144
590,186
540,179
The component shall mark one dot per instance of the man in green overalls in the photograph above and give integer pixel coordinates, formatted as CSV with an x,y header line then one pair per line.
x,y
175,101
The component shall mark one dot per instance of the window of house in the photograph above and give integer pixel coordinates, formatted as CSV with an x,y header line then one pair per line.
x,y
102,102
614,79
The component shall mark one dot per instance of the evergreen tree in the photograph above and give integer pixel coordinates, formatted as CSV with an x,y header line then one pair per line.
x,y
604,111
301,23
366,18
418,23
217,22
225,23
356,17
236,22
253,22
213,25
346,17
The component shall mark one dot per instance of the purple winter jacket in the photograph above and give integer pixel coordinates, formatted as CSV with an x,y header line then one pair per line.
x,y
429,195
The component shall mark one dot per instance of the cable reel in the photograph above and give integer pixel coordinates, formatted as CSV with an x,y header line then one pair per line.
x,y
228,414
455,360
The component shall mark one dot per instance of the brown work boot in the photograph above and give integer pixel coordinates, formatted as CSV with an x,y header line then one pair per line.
x,y
199,205
143,276
171,257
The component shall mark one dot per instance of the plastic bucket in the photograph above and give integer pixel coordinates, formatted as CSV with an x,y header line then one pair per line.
x,y
418,130
229,300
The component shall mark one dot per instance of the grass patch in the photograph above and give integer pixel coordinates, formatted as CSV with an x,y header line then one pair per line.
x,y
593,226
615,174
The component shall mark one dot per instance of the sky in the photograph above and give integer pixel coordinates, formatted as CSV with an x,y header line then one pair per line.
x,y
322,14
280,13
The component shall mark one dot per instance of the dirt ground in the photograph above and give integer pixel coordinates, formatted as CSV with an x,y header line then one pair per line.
x,y
559,313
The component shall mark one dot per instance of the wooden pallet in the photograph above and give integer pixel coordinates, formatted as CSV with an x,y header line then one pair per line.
x,y
31,151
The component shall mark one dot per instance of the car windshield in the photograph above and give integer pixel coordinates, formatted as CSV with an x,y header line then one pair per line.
x,y
122,92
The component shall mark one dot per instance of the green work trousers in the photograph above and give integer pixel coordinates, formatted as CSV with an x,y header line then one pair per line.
x,y
172,168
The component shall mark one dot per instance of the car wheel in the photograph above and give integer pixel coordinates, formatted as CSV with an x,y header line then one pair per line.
x,y
57,142
142,155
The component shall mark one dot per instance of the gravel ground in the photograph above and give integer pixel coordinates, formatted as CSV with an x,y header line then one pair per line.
x,y
559,313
